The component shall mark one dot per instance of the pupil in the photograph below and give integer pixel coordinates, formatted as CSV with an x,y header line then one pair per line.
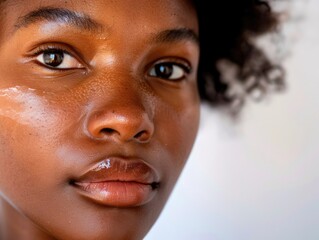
x,y
53,58
164,70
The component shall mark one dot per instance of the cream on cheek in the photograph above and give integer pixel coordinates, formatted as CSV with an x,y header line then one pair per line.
x,y
25,106
26,120
28,130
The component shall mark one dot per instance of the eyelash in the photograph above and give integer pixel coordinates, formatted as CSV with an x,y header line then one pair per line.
x,y
44,48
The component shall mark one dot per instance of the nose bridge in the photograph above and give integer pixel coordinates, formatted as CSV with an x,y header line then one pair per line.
x,y
122,113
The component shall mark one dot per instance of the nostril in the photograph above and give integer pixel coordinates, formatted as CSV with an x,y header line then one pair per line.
x,y
107,131
142,136
104,133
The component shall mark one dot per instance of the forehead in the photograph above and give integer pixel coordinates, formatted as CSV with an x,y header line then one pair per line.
x,y
121,14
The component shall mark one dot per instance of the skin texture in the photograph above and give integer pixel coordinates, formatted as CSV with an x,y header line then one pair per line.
x,y
55,124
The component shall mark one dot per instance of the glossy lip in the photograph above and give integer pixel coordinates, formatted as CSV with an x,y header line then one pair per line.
x,y
119,182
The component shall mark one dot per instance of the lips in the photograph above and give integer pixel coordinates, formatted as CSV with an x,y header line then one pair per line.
x,y
119,182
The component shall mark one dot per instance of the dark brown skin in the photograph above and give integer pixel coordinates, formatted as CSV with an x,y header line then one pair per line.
x,y
108,101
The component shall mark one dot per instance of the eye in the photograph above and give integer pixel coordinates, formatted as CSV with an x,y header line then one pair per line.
x,y
169,71
56,58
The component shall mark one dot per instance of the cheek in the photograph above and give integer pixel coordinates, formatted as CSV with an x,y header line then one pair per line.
x,y
26,127
178,126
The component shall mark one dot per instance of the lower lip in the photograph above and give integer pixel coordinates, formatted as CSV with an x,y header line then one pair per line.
x,y
117,193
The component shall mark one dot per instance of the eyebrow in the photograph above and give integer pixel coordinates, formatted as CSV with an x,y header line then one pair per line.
x,y
175,35
84,22
61,15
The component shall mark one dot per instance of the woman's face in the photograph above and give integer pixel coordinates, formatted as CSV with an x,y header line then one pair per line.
x,y
99,111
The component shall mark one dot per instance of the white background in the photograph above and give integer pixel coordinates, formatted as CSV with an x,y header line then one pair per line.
x,y
257,178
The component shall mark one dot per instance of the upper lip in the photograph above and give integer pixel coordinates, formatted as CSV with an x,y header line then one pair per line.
x,y
120,169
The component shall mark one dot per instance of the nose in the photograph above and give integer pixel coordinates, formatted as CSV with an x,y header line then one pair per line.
x,y
128,125
121,116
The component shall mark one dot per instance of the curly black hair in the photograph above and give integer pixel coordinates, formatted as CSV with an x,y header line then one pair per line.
x,y
227,30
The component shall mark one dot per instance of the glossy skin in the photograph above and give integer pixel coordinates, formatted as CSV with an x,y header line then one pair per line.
x,y
109,100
